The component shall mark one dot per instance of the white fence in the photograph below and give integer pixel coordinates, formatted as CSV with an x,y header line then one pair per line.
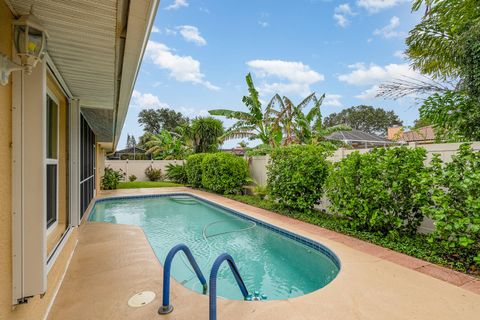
x,y
137,167
258,170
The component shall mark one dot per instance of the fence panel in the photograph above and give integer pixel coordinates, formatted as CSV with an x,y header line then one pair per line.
x,y
137,167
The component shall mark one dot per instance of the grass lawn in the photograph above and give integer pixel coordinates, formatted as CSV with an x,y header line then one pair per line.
x,y
147,184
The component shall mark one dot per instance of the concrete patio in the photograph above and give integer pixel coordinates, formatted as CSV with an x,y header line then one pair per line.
x,y
113,262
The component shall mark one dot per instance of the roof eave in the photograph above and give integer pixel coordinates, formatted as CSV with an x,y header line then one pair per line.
x,y
141,16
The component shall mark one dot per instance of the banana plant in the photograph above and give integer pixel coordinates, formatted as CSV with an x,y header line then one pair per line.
x,y
254,124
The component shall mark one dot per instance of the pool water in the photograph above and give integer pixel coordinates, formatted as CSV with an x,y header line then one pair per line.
x,y
269,262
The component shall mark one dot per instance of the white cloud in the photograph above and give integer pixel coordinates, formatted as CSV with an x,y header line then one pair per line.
x,y
191,34
368,94
399,54
377,5
263,24
332,100
170,32
147,101
341,20
390,30
342,12
155,29
297,77
181,68
373,75
344,9
177,4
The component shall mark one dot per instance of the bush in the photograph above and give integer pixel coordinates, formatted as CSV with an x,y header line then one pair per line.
x,y
132,178
111,179
260,191
177,173
224,173
153,174
194,169
381,190
296,175
456,203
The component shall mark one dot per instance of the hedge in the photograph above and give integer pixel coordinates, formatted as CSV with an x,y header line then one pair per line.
x,y
296,175
224,173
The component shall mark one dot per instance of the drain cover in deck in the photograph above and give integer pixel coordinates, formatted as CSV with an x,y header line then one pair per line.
x,y
141,299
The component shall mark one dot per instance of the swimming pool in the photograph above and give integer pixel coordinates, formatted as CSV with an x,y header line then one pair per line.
x,y
275,262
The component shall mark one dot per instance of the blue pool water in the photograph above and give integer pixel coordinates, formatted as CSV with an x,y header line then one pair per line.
x,y
276,263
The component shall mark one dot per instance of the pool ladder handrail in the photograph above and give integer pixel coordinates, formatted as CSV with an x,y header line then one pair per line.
x,y
166,307
213,282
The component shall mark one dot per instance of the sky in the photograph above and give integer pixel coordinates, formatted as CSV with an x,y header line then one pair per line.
x,y
200,51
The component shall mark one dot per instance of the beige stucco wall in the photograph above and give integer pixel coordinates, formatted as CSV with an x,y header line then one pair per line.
x,y
5,170
137,167
36,307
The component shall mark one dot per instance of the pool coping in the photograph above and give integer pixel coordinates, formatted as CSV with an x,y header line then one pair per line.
x,y
444,274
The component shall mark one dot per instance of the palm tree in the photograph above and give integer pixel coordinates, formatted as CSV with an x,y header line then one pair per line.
x,y
167,146
255,124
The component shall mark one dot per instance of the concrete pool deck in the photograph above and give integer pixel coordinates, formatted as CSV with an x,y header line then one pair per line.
x,y
113,262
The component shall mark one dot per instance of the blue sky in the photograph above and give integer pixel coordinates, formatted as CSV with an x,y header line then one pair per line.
x,y
200,51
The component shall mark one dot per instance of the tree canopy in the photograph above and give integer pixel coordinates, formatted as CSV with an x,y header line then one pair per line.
x,y
131,141
156,120
364,118
206,133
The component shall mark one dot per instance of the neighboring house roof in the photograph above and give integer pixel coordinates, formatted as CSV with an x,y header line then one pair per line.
x,y
357,136
235,151
424,134
97,47
130,150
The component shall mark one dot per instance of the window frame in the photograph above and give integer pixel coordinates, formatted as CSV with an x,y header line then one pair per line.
x,y
50,161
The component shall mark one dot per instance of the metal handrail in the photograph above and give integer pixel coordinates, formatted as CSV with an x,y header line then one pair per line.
x,y
213,282
166,307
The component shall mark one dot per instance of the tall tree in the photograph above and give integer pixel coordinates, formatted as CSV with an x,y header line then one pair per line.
x,y
156,120
364,118
446,45
254,124
206,133
131,141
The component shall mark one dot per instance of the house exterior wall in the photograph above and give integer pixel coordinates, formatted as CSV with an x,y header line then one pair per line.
x,y
5,171
37,306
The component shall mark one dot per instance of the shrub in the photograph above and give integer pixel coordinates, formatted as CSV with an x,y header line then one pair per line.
x,y
132,178
296,175
194,169
111,179
177,173
153,174
260,191
381,190
456,203
224,173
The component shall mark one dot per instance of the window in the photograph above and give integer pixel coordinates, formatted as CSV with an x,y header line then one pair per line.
x,y
51,162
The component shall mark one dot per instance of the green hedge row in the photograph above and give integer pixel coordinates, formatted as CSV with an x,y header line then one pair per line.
x,y
219,172
386,191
